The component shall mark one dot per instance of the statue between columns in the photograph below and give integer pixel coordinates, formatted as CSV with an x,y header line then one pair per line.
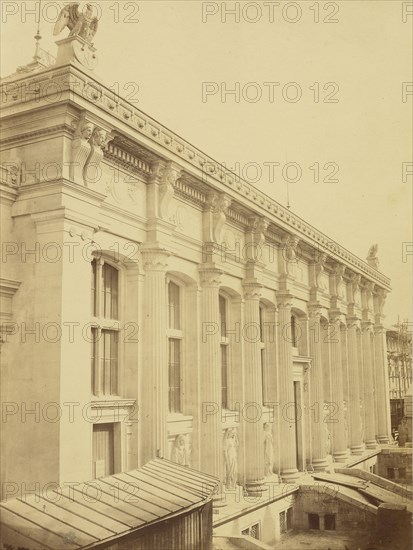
x,y
268,450
231,444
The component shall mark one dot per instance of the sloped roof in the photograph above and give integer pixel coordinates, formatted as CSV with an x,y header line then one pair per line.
x,y
103,509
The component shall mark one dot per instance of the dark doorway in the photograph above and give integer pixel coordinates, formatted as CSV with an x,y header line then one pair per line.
x,y
313,521
330,522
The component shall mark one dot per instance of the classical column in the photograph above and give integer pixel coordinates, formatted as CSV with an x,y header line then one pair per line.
x,y
339,440
353,407
211,459
253,429
318,433
288,452
382,393
369,405
154,371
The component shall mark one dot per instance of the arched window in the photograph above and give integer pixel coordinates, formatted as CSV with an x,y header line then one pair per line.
x,y
105,332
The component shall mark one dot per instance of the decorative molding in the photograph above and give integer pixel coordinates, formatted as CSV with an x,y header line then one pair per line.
x,y
72,80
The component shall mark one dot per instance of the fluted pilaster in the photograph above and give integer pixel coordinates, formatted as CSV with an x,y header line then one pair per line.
x,y
154,378
354,413
288,452
318,433
210,374
254,434
382,394
369,404
339,440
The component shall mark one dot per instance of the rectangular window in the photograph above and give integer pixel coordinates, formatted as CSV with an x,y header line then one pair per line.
x,y
402,473
263,381
174,306
313,521
330,522
224,376
104,364
390,473
109,308
223,316
283,524
103,450
93,288
289,519
174,375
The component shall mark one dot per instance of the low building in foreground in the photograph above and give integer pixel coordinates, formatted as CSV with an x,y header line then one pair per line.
x,y
155,305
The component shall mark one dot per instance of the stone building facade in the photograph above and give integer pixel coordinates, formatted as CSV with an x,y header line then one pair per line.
x,y
154,304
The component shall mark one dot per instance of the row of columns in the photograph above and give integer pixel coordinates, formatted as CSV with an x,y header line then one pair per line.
x,y
334,368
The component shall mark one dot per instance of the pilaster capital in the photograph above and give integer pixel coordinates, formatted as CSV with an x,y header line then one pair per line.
x,y
314,311
284,301
155,259
353,323
366,326
210,276
252,289
335,316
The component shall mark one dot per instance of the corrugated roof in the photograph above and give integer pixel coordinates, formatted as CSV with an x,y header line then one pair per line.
x,y
89,513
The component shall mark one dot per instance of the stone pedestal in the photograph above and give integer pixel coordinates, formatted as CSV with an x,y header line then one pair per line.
x,y
76,49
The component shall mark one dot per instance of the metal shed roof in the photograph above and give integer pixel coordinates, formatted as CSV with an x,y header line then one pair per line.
x,y
89,513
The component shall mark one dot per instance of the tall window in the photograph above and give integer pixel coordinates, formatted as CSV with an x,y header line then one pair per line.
x,y
175,344
103,450
105,333
293,331
263,357
223,315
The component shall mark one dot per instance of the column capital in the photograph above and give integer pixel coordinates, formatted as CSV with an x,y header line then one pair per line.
x,y
284,301
314,310
252,289
210,275
154,258
353,322
366,326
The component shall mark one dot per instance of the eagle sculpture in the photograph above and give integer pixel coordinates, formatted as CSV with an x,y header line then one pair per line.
x,y
80,23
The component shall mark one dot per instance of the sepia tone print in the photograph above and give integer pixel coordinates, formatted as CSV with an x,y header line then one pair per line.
x,y
202,354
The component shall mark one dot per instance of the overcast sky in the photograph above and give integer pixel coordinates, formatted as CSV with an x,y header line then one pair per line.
x,y
339,101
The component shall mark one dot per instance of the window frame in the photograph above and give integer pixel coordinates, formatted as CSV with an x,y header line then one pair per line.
x,y
177,335
101,325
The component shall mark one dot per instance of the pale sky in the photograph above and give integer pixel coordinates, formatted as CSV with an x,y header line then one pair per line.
x,y
161,53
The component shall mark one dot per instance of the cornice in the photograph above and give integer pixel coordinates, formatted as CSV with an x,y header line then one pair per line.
x,y
82,86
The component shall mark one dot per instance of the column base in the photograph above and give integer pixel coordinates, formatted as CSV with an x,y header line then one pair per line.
x,y
254,488
371,444
357,449
219,501
290,475
340,456
319,464
383,439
